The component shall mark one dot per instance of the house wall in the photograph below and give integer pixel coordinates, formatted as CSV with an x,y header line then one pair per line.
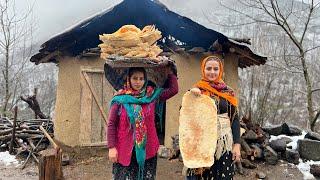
x,y
231,76
67,108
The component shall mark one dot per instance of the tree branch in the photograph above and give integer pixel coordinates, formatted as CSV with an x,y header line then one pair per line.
x,y
307,23
315,90
316,118
316,47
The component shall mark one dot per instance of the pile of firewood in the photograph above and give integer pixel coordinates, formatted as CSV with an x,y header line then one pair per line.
x,y
24,137
254,145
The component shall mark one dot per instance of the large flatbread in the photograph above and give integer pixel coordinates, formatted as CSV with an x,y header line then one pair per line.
x,y
197,130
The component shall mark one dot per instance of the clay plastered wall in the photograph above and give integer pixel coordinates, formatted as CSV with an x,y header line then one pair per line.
x,y
67,110
231,76
188,74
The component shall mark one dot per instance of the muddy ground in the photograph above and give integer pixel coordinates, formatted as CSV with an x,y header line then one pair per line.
x,y
96,168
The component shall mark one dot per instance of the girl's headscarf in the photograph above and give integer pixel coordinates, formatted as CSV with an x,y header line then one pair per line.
x,y
127,88
218,87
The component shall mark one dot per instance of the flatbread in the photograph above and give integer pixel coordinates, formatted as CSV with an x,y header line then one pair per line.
x,y
198,130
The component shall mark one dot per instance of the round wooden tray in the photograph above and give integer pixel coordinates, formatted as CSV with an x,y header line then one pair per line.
x,y
116,69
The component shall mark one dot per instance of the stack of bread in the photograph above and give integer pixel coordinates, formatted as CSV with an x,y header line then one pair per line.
x,y
129,41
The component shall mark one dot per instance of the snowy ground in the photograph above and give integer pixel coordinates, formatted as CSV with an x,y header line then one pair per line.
x,y
304,167
7,159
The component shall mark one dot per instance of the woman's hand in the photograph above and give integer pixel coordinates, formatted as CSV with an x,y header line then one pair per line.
x,y
171,68
195,91
236,155
113,155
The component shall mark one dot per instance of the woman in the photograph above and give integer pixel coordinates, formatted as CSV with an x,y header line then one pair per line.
x,y
132,136
228,143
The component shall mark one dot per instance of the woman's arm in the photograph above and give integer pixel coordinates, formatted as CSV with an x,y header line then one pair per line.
x,y
171,90
113,121
236,155
235,125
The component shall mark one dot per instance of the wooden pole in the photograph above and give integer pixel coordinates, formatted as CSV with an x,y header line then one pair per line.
x,y
13,130
35,95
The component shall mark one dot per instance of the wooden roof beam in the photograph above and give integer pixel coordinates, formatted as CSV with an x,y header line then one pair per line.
x,y
244,53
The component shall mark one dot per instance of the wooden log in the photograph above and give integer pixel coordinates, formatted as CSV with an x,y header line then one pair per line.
x,y
30,131
247,164
239,167
243,125
7,131
250,135
245,146
5,126
244,155
257,151
20,131
35,92
20,143
34,157
34,105
34,148
7,138
35,120
30,141
36,137
13,129
8,120
50,164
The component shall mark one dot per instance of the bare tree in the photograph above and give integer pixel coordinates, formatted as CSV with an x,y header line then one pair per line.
x,y
296,20
15,49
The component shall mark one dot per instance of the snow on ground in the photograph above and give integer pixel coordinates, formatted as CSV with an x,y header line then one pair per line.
x,y
304,167
8,159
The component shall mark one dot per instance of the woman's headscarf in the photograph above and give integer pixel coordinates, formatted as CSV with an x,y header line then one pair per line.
x,y
218,87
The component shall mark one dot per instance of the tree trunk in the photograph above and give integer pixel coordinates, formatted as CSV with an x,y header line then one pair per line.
x,y
50,164
6,78
309,90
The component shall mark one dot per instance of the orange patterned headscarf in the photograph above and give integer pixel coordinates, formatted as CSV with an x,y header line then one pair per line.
x,y
218,87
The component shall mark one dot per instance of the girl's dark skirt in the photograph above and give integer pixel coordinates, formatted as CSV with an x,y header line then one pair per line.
x,y
130,172
222,169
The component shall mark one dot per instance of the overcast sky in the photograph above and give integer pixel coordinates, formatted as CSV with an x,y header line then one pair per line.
x,y
54,16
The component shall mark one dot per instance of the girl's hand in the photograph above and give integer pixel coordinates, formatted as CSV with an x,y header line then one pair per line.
x,y
196,91
113,155
236,155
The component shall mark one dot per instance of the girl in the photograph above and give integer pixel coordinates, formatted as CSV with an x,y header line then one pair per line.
x,y
132,138
228,143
